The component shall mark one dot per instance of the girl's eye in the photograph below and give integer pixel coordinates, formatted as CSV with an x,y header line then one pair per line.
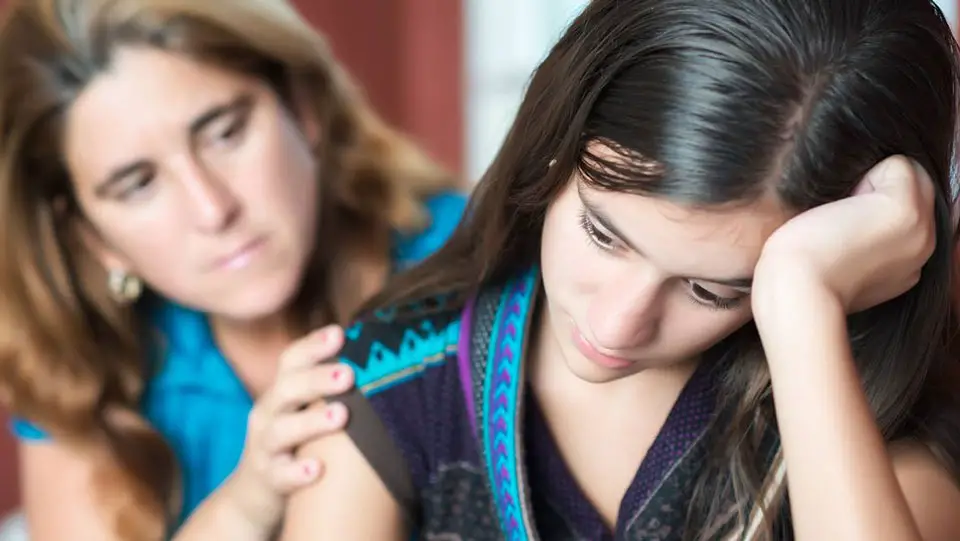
x,y
596,236
705,297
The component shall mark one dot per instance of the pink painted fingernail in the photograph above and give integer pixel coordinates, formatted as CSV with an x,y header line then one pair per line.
x,y
332,413
310,469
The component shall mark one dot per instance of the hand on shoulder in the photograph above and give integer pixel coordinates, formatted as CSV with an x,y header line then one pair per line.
x,y
281,421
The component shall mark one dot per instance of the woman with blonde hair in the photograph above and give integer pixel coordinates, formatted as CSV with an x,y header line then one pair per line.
x,y
186,187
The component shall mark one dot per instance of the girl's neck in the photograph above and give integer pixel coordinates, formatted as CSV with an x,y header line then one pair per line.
x,y
602,431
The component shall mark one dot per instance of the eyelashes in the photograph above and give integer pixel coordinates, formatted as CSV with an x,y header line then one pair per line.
x,y
598,238
695,292
705,297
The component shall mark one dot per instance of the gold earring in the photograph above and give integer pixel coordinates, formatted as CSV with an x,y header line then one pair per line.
x,y
124,287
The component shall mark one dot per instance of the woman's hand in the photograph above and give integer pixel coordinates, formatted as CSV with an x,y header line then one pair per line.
x,y
859,251
280,422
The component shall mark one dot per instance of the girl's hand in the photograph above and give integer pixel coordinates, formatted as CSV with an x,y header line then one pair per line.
x,y
859,251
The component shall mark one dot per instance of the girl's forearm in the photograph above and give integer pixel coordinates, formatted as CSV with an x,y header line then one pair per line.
x,y
841,479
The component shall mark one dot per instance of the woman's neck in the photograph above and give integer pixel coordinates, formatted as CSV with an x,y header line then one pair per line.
x,y
360,272
253,348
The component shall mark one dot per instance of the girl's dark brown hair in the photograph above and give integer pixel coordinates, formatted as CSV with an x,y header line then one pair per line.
x,y
723,102
71,359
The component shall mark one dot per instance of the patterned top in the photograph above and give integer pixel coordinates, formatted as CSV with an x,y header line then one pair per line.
x,y
442,399
198,402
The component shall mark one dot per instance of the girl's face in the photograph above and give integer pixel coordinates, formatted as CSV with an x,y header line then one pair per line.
x,y
635,282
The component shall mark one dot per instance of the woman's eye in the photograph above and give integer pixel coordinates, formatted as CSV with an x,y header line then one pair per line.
x,y
134,185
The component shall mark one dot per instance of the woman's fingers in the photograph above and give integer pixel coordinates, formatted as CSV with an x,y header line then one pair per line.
x,y
314,348
293,391
289,474
290,430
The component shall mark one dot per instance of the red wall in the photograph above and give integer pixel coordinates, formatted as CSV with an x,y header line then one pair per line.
x,y
407,56
8,468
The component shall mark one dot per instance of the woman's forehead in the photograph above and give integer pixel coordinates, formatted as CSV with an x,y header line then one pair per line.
x,y
146,100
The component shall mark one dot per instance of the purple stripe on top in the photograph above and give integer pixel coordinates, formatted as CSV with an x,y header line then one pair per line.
x,y
464,346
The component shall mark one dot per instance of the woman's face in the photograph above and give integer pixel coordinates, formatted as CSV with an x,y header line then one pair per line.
x,y
197,180
635,282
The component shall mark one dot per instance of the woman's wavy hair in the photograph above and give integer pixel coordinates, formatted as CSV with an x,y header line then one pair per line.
x,y
73,361
722,102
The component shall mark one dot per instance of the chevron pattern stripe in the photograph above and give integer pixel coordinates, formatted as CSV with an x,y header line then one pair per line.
x,y
501,407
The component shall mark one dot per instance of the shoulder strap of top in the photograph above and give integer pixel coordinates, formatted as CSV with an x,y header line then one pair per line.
x,y
385,353
373,439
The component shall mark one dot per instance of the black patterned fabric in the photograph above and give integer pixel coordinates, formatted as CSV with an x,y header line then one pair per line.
x,y
441,384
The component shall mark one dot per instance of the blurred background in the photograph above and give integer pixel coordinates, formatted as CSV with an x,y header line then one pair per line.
x,y
450,73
